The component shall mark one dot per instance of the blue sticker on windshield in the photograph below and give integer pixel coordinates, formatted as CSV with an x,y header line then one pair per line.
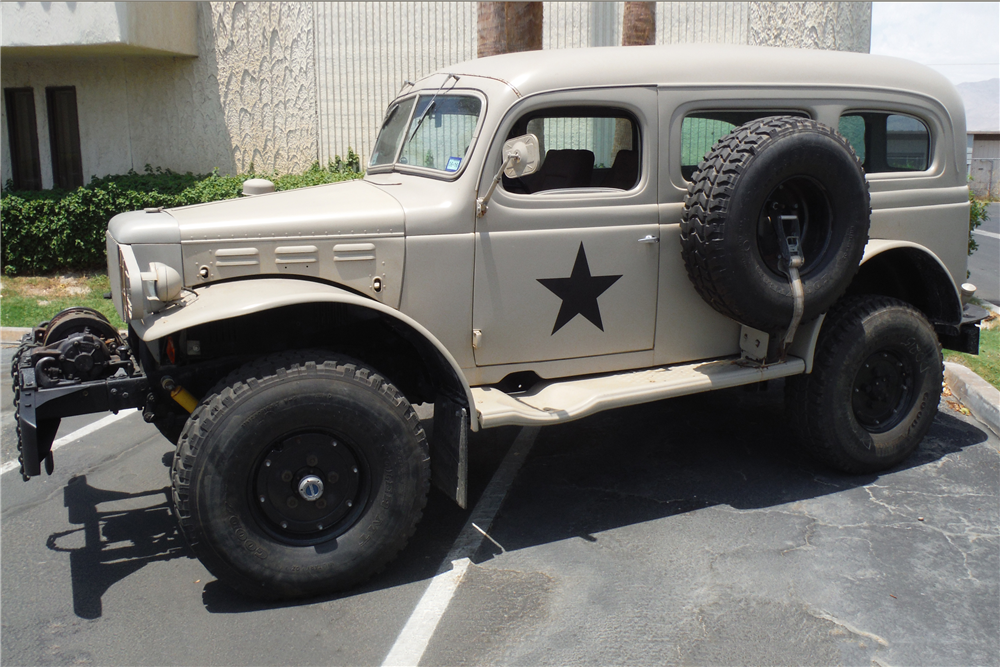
x,y
453,164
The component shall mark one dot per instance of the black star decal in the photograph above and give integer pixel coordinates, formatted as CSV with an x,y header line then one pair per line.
x,y
579,292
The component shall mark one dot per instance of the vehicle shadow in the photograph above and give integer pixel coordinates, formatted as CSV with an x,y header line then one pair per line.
x,y
137,530
646,463
629,466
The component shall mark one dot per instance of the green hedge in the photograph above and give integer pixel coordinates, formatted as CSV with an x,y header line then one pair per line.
x,y
56,230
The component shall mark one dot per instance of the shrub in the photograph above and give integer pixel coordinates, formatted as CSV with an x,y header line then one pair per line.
x,y
55,230
978,214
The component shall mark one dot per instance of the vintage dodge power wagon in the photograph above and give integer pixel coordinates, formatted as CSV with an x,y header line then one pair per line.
x,y
538,237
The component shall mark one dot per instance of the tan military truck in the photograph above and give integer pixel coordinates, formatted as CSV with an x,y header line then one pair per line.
x,y
538,237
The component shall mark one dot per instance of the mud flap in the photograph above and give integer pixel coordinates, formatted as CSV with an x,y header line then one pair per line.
x,y
450,450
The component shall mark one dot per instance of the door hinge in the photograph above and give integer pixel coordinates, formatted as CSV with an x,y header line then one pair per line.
x,y
477,339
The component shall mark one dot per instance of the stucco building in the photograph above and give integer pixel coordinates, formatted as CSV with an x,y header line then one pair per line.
x,y
101,88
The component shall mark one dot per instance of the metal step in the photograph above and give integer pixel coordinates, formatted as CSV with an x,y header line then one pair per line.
x,y
554,401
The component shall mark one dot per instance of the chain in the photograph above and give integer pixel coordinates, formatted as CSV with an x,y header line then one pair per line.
x,y
26,343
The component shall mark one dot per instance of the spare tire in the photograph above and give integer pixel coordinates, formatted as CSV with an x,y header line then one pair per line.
x,y
774,166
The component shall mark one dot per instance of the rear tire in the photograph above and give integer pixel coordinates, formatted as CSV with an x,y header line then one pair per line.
x,y
874,389
302,476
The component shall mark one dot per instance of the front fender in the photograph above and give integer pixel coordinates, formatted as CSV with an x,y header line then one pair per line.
x,y
222,301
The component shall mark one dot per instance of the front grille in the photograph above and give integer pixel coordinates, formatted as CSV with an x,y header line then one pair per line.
x,y
124,277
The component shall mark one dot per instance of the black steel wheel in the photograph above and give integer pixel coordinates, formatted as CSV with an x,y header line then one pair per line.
x,y
875,385
778,166
884,390
300,475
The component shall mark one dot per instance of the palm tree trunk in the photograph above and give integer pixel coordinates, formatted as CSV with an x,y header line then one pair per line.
x,y
638,29
638,24
508,27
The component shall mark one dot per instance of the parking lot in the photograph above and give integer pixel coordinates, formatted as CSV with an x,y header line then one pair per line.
x,y
686,531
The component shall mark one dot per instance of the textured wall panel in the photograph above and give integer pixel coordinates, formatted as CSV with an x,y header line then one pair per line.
x,y
839,26
264,68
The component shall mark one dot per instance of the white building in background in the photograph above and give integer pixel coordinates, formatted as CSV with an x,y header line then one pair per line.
x,y
101,88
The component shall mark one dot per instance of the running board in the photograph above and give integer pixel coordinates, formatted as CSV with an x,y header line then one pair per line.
x,y
550,402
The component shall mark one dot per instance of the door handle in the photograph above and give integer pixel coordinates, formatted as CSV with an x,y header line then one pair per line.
x,y
649,238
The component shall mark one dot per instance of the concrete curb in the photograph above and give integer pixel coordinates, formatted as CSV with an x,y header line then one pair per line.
x,y
13,334
975,393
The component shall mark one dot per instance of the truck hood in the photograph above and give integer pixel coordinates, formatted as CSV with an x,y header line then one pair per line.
x,y
348,208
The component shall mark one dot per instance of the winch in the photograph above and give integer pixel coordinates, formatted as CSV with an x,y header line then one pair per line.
x,y
75,363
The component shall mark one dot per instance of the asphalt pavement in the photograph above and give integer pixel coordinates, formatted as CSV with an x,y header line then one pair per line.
x,y
685,531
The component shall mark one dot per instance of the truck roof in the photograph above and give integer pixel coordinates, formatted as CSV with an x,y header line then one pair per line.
x,y
706,64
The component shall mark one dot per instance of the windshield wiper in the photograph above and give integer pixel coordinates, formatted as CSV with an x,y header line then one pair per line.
x,y
430,105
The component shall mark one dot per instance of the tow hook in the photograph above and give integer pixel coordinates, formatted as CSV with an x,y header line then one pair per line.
x,y
183,397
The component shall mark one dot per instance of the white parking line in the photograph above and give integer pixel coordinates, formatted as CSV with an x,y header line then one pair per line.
x,y
75,435
991,235
416,634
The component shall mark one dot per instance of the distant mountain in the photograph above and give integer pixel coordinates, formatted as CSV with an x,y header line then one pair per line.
x,y
982,104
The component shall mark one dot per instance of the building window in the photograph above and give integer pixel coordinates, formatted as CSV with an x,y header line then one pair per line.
x,y
888,142
22,137
64,137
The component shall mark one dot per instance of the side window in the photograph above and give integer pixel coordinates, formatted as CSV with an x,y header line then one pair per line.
x,y
887,142
582,147
700,131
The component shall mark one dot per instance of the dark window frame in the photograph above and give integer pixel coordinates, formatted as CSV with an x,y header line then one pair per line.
x,y
22,132
64,137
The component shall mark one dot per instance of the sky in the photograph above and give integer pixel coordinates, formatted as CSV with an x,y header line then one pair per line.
x,y
959,39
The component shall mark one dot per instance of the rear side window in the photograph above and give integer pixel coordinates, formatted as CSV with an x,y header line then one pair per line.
x,y
700,131
582,147
887,141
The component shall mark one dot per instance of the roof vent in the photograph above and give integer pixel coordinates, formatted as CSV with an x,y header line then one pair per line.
x,y
257,186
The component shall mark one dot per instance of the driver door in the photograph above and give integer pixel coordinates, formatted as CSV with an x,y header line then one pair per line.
x,y
567,258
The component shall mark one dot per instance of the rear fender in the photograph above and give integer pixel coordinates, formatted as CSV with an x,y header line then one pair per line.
x,y
900,269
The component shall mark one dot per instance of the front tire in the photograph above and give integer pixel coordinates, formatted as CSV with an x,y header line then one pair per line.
x,y
302,475
875,385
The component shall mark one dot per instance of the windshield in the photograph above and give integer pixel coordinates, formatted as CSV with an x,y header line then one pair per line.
x,y
437,132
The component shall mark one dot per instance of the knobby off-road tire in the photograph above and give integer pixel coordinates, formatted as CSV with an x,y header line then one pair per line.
x,y
874,389
300,475
774,166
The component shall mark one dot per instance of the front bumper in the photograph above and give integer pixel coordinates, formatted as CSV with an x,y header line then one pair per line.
x,y
39,409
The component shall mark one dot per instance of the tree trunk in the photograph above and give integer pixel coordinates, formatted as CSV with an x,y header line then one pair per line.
x,y
491,29
508,27
639,24
638,29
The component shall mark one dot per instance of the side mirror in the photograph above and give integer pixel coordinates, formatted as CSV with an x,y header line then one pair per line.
x,y
521,156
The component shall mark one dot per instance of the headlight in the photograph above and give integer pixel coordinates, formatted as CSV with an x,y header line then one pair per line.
x,y
145,292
